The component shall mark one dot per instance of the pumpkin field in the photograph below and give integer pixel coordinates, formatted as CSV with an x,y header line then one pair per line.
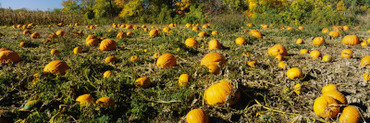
x,y
186,61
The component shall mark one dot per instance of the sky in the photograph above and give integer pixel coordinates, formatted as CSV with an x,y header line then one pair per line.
x,y
31,4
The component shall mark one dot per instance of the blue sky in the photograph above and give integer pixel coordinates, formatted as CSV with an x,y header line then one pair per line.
x,y
31,4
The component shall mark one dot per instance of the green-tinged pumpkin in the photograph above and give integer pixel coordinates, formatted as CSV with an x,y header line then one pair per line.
x,y
32,104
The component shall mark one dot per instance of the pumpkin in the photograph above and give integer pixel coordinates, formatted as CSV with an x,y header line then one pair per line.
x,y
92,42
294,73
188,25
110,59
183,79
171,25
213,68
53,36
249,24
202,34
19,26
300,27
26,32
213,58
315,54
4,49
105,102
357,27
107,74
47,41
303,51
196,116
107,44
195,28
318,41
166,60
142,82
205,26
264,26
145,29
325,30
282,65
240,41
143,26
156,55
329,87
56,67
153,33
255,34
135,27
214,32
334,34
23,44
85,100
214,44
77,50
289,28
121,35
129,34
35,35
351,40
339,97
252,64
345,28
32,104
279,57
114,25
219,93
191,42
9,56
346,53
365,61
321,107
54,51
350,114
60,24
364,43
128,26
277,50
366,77
326,58
133,58
166,29
60,33
299,41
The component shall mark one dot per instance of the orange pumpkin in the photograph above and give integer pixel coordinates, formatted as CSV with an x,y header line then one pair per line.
x,y
329,87
282,65
318,41
202,34
219,92
85,100
240,41
105,102
277,50
54,51
214,44
346,53
339,97
205,26
315,54
213,68
142,82
294,73
325,30
183,79
213,58
191,42
121,35
345,28
321,107
9,56
188,25
299,41
57,67
107,44
107,74
153,33
60,33
214,32
255,33
350,114
365,61
351,40
166,29
35,35
366,77
196,116
334,34
26,32
195,28
326,58
166,60
303,51
110,59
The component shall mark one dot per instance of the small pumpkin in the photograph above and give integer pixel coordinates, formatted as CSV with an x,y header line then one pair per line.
x,y
143,26
32,104
277,50
325,30
9,56
321,107
60,33
334,34
345,28
53,36
282,65
318,41
166,29
350,114
339,97
300,27
205,26
57,67
279,57
184,79
329,87
191,42
365,62
214,44
366,76
77,50
219,93
249,24
303,51
364,44
196,116
214,32
202,34
196,28
213,58
105,102
128,26
107,44
294,73
153,33
346,53
85,100
110,59
252,64
213,68
326,58
240,41
121,35
156,55
133,58
54,51
107,74
255,33
166,60
315,54
26,32
23,44
188,25
142,82
35,35
351,40
289,28
299,41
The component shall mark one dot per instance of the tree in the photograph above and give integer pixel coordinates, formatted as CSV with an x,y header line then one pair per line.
x,y
129,7
70,5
